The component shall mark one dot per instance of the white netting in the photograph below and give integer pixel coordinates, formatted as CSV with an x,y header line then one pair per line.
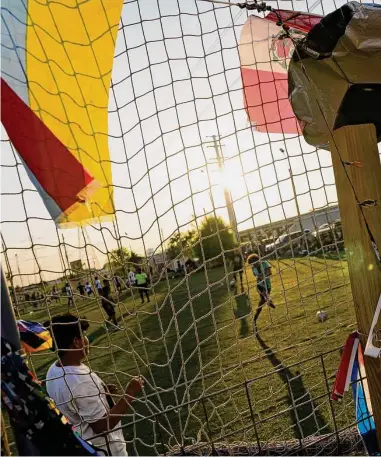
x,y
184,202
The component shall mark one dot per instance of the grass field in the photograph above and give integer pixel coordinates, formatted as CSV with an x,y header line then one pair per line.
x,y
207,376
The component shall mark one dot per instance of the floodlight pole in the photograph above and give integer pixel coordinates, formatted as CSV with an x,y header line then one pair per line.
x,y
358,143
296,200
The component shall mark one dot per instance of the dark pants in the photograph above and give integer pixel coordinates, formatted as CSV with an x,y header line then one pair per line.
x,y
240,275
264,298
110,310
143,291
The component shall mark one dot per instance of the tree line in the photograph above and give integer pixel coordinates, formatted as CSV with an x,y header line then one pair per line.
x,y
212,237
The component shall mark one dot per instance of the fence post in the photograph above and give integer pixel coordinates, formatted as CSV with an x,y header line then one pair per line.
x,y
9,329
356,184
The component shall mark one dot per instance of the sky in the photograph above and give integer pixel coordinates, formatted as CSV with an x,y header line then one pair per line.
x,y
175,83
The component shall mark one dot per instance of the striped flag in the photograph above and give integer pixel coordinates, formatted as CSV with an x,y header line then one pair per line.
x,y
351,372
56,66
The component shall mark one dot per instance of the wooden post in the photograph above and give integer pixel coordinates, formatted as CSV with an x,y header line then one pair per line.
x,y
4,437
359,143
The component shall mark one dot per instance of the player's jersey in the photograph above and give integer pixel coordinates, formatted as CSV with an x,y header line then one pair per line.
x,y
259,273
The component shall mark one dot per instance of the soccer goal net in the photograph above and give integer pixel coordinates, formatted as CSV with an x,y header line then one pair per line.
x,y
204,247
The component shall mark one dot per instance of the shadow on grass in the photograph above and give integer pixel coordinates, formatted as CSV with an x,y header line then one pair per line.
x,y
306,418
100,331
242,313
185,342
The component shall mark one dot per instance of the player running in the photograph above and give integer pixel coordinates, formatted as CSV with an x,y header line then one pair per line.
x,y
107,303
142,284
262,271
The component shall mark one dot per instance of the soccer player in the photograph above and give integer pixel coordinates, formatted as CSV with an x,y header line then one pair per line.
x,y
98,285
262,271
79,393
88,289
238,267
69,294
107,304
81,289
118,285
142,284
131,278
55,294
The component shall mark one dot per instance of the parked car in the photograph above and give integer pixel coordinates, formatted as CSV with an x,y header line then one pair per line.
x,y
292,243
329,235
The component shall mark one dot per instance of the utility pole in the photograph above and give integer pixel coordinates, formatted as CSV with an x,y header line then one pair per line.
x,y
228,199
296,200
66,254
163,247
18,270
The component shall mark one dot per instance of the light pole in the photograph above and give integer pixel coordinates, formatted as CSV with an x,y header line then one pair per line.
x,y
18,270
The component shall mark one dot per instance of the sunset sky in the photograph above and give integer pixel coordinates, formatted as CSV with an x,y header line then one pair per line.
x,y
176,81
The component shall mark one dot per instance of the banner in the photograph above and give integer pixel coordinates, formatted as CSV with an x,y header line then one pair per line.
x,y
57,60
265,52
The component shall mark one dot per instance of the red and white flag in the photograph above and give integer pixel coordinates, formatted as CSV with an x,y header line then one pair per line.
x,y
265,53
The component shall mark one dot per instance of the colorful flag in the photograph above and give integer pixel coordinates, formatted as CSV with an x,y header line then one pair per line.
x,y
351,372
34,336
39,427
57,61
265,51
364,411
344,373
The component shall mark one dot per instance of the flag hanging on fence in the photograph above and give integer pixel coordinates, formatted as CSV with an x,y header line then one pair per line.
x,y
265,51
34,336
351,372
56,71
37,423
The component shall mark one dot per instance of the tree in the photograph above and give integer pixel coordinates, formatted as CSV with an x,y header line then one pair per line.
x,y
181,243
120,257
215,237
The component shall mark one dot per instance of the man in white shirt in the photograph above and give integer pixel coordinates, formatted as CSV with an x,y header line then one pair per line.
x,y
131,278
79,393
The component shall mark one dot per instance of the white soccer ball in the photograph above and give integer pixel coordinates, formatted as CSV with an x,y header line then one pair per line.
x,y
321,316
232,283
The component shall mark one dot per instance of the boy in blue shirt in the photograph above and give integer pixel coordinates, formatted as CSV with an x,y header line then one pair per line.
x,y
262,271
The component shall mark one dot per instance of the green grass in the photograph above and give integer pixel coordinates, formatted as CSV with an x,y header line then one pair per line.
x,y
195,346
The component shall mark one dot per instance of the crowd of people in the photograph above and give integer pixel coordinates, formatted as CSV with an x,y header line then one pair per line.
x,y
135,280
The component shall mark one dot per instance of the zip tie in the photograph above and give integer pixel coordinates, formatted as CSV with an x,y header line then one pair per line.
x,y
355,163
370,349
368,202
260,7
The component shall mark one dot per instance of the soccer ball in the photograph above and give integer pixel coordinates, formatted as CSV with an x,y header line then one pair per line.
x,y
321,316
232,283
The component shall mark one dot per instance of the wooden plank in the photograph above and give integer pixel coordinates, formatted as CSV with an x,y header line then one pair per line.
x,y
359,143
4,437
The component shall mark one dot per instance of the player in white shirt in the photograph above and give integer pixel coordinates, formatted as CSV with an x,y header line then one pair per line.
x,y
98,284
131,278
79,393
